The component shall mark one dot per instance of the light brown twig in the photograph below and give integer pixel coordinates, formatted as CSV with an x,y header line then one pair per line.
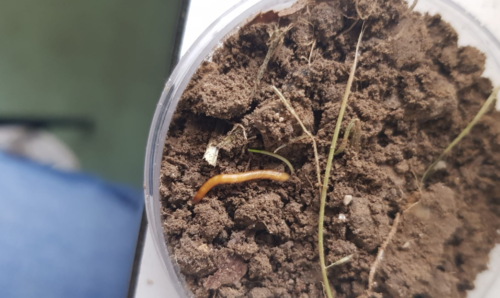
x,y
328,168
359,12
275,41
291,142
381,250
292,111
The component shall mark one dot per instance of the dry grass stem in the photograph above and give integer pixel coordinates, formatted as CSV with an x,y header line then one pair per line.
x,y
311,53
291,142
228,139
411,206
380,254
350,27
419,191
292,111
277,35
328,168
340,262
356,136
484,109
412,7
248,163
212,151
359,12
275,156
242,128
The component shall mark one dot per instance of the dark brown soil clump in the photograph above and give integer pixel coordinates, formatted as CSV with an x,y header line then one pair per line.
x,y
414,91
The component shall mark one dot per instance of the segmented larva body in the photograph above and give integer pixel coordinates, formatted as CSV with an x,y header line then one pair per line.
x,y
238,178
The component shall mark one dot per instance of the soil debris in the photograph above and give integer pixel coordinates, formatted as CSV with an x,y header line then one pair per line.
x,y
415,90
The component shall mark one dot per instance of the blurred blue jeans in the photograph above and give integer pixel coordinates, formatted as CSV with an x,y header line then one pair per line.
x,y
64,234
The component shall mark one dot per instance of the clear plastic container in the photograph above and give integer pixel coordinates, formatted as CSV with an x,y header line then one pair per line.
x,y
470,33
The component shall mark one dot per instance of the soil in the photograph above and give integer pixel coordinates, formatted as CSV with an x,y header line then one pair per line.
x,y
415,89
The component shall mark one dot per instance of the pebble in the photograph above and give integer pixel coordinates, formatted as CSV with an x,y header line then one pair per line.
x,y
441,165
347,200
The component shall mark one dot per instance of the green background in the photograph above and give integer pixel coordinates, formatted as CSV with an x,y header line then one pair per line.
x,y
104,60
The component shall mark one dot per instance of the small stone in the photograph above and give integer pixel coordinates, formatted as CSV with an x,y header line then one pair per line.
x,y
342,217
347,200
276,116
281,119
406,246
441,165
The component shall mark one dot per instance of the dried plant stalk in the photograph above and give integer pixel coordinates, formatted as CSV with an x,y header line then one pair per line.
x,y
311,53
372,7
340,262
381,250
276,38
292,111
212,151
484,109
286,161
356,136
412,7
291,142
326,178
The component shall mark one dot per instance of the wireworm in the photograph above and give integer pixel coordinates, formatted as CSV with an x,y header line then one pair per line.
x,y
238,178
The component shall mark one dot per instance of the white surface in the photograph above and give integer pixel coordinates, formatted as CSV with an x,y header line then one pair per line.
x,y
200,15
151,274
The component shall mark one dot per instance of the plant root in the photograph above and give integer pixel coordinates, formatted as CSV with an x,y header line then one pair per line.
x,y
350,27
291,142
359,12
380,254
227,140
276,38
292,111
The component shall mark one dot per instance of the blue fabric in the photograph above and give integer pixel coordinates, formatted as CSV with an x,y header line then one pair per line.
x,y
64,234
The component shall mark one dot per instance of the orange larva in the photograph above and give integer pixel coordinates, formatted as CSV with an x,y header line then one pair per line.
x,y
238,178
